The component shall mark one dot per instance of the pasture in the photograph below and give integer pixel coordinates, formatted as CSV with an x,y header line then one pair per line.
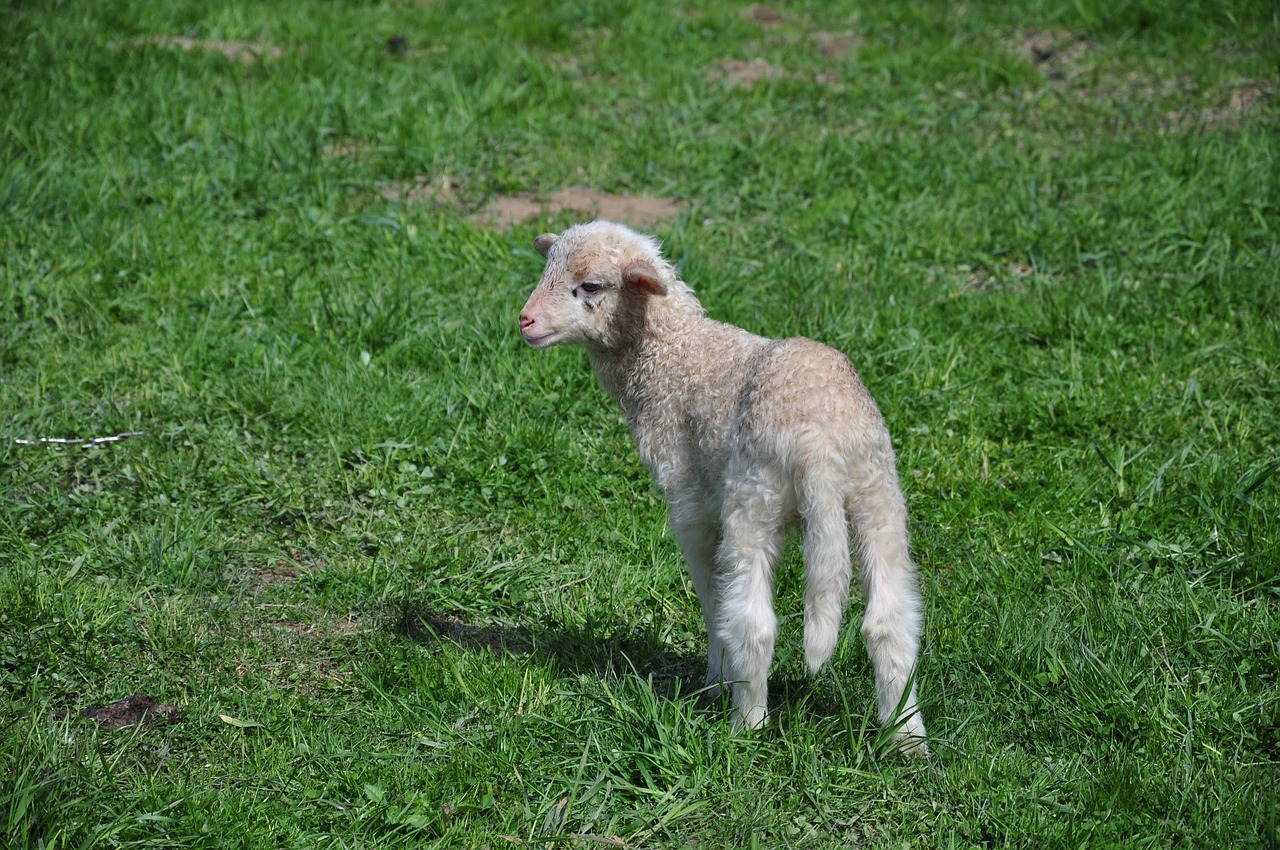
x,y
302,547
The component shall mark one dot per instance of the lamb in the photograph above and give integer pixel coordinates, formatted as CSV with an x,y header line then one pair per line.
x,y
745,436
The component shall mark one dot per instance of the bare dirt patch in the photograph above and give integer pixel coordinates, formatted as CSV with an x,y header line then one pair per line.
x,y
506,211
836,45
766,17
747,72
832,45
130,711
280,571
303,629
1241,104
246,52
283,570
1150,96
639,210
1059,54
298,648
305,621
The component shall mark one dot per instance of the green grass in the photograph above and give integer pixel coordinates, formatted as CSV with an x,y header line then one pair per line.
x,y
1060,278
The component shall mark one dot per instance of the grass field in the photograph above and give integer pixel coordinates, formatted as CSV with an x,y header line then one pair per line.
x,y
400,581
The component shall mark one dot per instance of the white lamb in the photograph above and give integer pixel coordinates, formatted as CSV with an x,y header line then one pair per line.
x,y
745,435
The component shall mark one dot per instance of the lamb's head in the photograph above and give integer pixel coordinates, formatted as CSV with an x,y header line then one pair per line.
x,y
597,287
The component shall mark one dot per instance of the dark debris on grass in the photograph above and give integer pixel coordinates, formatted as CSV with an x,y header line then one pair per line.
x,y
137,709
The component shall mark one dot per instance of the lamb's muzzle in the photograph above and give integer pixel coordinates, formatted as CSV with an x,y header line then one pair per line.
x,y
745,435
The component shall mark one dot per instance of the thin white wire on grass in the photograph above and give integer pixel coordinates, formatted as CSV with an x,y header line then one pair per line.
x,y
77,441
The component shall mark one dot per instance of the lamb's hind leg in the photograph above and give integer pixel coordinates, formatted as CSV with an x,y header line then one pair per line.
x,y
893,621
751,541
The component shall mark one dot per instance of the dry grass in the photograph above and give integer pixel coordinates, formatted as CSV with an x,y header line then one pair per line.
x,y
836,45
246,52
639,210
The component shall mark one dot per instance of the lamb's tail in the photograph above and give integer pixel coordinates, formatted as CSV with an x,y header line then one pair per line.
x,y
828,568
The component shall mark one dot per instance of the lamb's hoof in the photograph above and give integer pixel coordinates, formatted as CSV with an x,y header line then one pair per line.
x,y
912,746
754,719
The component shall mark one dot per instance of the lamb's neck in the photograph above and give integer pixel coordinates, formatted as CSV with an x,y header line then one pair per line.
x,y
624,374
631,373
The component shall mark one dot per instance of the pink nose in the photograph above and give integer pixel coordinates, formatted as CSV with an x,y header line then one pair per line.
x,y
526,322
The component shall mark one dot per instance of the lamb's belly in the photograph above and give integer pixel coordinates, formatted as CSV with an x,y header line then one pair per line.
x,y
696,476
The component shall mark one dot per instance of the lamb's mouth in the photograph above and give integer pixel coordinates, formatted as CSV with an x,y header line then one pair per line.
x,y
541,340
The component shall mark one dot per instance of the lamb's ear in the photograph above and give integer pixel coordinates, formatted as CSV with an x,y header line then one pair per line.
x,y
644,276
544,242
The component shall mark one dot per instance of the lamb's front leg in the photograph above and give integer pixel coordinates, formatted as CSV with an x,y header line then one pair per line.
x,y
698,535
749,549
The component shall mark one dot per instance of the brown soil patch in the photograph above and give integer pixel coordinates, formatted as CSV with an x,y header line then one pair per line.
x,y
747,72
284,570
507,211
246,52
1058,54
295,648
836,45
130,711
1243,103
1070,64
280,571
1141,87
766,17
750,72
638,210
313,623
304,629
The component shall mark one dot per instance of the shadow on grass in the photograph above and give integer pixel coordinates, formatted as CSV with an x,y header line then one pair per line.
x,y
607,652
590,649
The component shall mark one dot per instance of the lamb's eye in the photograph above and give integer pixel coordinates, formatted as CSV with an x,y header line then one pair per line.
x,y
590,286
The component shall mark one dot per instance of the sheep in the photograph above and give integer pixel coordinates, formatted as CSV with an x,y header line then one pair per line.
x,y
745,436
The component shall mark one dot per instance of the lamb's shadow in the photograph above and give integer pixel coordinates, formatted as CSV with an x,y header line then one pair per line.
x,y
609,652
589,649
